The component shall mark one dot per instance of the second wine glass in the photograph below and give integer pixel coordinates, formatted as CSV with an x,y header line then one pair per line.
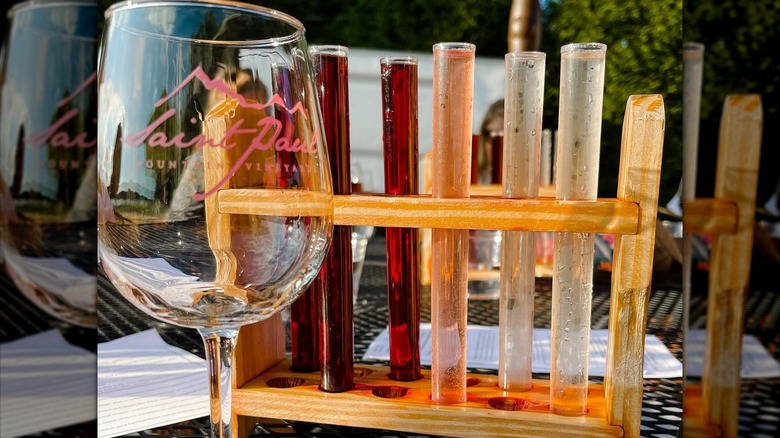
x,y
214,191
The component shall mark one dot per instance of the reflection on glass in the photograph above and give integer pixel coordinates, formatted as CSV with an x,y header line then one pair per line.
x,y
48,158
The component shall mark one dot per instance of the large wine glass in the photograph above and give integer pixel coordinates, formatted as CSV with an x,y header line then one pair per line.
x,y
48,158
205,110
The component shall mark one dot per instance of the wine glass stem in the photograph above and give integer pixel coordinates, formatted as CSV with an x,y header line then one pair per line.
x,y
220,344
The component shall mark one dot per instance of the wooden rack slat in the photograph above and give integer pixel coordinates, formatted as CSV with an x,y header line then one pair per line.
x,y
710,216
422,211
415,412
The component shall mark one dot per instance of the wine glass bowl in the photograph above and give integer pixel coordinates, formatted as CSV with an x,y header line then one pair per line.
x,y
240,115
204,107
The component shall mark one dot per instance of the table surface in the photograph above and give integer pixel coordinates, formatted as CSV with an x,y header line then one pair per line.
x,y
662,398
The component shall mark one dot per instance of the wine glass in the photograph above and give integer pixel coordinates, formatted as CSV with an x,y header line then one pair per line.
x,y
200,103
48,158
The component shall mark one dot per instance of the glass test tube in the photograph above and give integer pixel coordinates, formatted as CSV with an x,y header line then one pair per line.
x,y
579,128
453,100
693,57
522,148
400,139
337,333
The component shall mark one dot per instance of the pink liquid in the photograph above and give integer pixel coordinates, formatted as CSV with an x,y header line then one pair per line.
x,y
399,105
336,323
453,91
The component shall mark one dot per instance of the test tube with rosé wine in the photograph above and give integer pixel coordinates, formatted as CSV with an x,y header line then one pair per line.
x,y
579,142
453,100
522,148
400,139
336,325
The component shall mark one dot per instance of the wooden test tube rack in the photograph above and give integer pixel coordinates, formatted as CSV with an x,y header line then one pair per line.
x,y
614,407
712,408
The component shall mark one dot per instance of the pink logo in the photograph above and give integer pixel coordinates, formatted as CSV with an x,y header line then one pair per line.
x,y
61,139
268,128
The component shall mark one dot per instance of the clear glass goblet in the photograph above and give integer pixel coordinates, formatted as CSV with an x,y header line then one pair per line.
x,y
214,190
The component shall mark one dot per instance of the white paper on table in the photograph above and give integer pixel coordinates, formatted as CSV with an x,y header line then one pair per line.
x,y
58,276
155,274
482,351
144,383
757,363
45,383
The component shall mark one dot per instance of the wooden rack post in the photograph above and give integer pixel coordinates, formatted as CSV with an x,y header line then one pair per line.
x,y
730,218
269,390
638,181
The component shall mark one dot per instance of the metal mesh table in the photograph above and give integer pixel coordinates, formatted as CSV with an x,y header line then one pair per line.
x,y
759,412
663,397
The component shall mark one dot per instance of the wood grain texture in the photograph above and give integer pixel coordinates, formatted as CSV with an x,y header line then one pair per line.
x,y
614,409
693,424
270,202
710,216
216,164
638,181
736,179
545,191
259,347
487,213
422,211
415,412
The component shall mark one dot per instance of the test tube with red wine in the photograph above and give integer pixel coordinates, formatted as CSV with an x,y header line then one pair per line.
x,y
305,311
399,116
336,325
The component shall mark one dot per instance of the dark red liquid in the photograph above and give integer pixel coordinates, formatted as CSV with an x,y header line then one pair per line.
x,y
304,329
497,166
399,107
283,87
305,311
337,335
475,159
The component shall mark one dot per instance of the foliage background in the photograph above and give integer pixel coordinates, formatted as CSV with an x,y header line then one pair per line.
x,y
643,55
643,38
741,41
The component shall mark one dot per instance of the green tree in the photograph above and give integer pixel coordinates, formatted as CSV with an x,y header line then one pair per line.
x,y
644,42
644,50
741,40
409,25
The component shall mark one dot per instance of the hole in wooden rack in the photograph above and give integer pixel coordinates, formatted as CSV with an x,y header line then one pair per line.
x,y
508,403
363,372
285,382
472,381
390,391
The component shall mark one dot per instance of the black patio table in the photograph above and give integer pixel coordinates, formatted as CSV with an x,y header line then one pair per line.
x,y
662,398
